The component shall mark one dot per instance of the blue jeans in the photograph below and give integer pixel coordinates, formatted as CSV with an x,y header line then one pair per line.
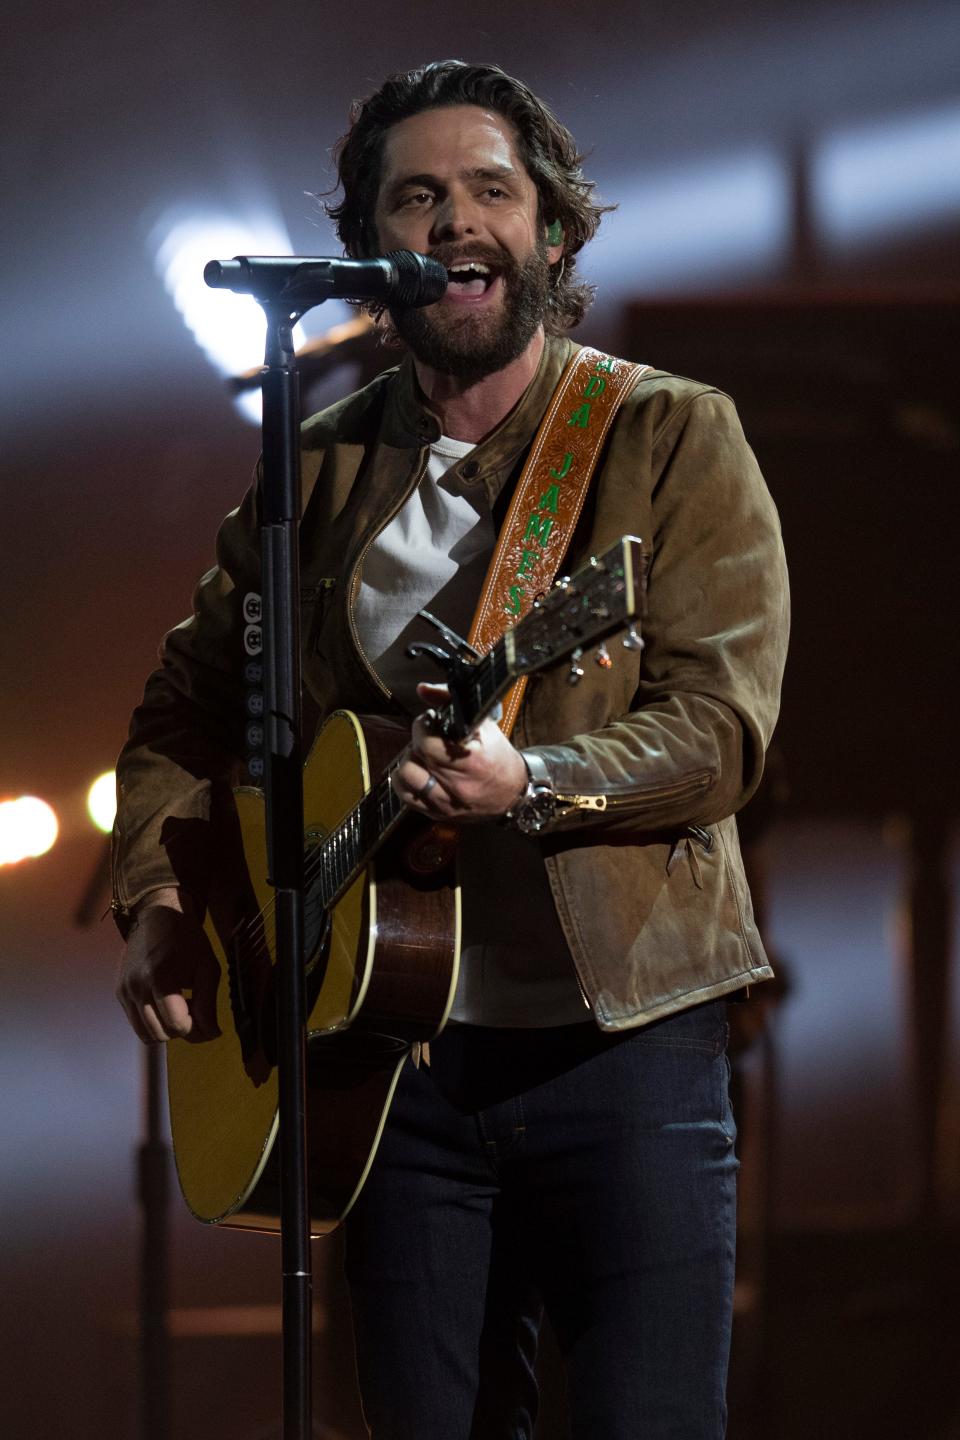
x,y
591,1174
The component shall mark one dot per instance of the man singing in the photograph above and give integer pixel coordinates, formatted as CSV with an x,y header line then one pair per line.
x,y
569,1145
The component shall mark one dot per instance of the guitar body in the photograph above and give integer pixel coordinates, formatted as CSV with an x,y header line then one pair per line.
x,y
381,973
382,932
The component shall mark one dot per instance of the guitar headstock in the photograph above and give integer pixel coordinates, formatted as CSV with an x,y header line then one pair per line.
x,y
603,597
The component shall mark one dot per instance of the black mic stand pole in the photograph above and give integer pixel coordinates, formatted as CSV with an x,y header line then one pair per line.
x,y
283,781
285,288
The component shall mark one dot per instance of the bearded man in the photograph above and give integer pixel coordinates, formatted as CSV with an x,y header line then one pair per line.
x,y
569,1145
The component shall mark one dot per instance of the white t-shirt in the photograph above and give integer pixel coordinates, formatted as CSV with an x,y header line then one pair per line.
x,y
515,965
432,556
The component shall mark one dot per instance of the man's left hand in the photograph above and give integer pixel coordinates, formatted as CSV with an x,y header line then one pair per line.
x,y
476,778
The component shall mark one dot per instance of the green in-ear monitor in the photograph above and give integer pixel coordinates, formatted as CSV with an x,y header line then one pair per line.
x,y
554,233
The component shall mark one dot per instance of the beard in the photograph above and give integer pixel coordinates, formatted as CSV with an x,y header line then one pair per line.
x,y
471,346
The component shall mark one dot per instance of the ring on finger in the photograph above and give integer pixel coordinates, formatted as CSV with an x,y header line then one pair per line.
x,y
424,790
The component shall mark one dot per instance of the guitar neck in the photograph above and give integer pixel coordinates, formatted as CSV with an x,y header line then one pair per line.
x,y
600,599
343,854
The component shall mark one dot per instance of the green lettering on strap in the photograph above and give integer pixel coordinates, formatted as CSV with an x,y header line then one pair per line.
x,y
538,528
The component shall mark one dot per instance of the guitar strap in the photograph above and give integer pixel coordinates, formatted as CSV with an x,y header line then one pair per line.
x,y
549,497
538,528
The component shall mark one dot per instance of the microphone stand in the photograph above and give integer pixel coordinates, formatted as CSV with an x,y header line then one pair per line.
x,y
283,782
287,287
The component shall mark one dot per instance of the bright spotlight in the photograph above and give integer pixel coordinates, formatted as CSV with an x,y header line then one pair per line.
x,y
102,800
230,329
28,827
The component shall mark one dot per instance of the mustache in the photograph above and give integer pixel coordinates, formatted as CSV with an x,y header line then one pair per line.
x,y
492,255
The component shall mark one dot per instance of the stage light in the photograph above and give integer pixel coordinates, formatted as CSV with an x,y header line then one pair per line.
x,y
230,329
102,801
28,827
889,177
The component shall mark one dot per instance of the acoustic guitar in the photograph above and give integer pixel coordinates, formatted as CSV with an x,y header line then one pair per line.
x,y
382,934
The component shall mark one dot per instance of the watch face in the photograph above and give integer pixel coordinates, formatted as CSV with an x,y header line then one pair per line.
x,y
536,810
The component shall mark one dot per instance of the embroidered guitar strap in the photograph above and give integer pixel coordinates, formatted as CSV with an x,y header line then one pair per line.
x,y
549,497
538,528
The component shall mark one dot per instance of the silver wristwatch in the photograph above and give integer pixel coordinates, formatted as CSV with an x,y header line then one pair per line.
x,y
537,806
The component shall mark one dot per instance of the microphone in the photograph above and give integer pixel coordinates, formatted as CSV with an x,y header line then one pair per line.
x,y
403,277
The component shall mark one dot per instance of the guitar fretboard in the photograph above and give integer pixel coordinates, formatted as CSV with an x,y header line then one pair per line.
x,y
334,863
600,599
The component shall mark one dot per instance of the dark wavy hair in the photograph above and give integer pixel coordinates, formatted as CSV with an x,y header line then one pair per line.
x,y
546,147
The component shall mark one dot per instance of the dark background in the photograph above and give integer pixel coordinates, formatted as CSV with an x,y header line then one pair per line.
x,y
789,188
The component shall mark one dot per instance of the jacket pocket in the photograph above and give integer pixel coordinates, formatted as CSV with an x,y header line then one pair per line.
x,y
695,840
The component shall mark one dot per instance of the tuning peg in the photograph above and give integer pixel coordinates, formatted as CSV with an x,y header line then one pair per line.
x,y
575,672
561,582
632,640
603,657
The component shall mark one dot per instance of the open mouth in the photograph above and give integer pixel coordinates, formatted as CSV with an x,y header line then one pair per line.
x,y
470,278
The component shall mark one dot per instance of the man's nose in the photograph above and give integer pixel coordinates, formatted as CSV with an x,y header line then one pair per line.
x,y
456,218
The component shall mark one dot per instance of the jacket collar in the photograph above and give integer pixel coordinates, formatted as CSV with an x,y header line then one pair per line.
x,y
408,421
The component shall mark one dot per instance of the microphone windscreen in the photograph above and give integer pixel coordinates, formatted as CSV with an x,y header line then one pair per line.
x,y
420,280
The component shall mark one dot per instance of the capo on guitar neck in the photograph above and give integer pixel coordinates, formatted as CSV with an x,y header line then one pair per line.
x,y
462,648
456,662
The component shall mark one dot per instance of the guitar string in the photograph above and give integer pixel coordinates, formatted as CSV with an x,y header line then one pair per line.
x,y
490,674
319,857
252,941
254,933
334,848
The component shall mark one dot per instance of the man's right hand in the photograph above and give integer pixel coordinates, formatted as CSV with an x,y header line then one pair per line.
x,y
167,953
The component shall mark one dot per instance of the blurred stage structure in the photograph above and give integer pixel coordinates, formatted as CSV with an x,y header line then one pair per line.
x,y
852,405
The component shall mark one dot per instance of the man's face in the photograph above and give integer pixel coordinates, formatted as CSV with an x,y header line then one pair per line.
x,y
453,187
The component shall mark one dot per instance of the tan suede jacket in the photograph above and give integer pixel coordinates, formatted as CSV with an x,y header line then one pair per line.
x,y
650,892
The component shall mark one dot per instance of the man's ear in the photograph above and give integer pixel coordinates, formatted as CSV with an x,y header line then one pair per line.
x,y
554,242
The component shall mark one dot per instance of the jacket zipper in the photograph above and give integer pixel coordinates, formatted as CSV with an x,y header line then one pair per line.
x,y
641,796
353,582
582,988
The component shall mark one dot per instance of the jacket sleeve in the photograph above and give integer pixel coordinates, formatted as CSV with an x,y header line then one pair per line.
x,y
690,749
187,736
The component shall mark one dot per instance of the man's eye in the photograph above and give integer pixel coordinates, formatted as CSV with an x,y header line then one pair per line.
x,y
420,197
